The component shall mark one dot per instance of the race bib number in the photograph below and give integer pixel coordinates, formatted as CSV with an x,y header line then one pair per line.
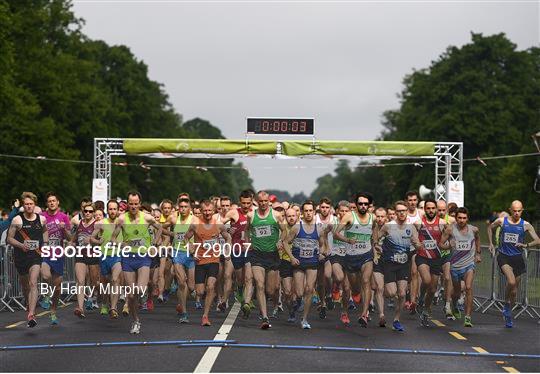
x,y
306,252
359,248
33,245
263,231
340,249
54,242
430,245
400,258
209,243
179,236
462,245
136,243
511,238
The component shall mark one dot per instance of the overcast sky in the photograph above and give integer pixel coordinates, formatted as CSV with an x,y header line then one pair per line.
x,y
341,63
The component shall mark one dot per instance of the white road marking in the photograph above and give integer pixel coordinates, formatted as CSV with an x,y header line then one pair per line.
x,y
211,354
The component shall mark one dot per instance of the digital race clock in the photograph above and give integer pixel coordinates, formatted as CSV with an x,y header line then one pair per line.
x,y
287,126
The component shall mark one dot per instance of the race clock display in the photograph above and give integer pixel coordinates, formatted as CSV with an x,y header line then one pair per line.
x,y
285,126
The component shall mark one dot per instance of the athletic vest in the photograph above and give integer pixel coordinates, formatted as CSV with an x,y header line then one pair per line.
x,y
430,235
339,248
136,234
305,247
397,243
414,218
179,232
30,233
108,228
464,250
362,234
208,252
333,222
264,232
510,235
238,229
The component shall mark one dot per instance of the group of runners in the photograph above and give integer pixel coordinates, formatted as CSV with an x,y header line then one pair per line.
x,y
260,249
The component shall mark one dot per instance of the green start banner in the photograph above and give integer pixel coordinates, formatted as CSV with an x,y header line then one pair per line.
x,y
192,147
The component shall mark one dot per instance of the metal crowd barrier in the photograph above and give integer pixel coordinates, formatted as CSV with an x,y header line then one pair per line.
x,y
490,285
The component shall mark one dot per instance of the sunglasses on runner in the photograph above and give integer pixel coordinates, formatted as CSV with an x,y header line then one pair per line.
x,y
89,211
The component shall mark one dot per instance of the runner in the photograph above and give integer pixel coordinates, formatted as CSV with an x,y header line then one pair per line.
x,y
338,250
378,271
264,226
465,242
165,263
398,236
226,268
445,260
183,263
52,271
86,262
242,267
286,268
428,259
136,266
327,221
111,262
28,234
359,257
309,247
510,249
206,251
414,216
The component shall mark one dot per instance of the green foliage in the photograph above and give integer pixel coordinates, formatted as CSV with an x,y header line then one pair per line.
x,y
485,94
59,90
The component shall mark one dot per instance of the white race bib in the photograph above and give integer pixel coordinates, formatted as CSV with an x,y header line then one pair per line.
x,y
400,258
54,242
463,245
179,236
135,243
263,231
430,245
33,245
511,238
209,244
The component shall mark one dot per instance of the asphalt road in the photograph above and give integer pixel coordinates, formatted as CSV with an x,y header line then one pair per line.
x,y
488,334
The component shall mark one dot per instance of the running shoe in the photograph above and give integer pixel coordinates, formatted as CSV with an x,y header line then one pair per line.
x,y
301,306
265,325
135,328
449,314
88,304
205,321
183,318
179,309
54,319
113,314
246,311
363,321
391,304
160,299
356,298
412,308
306,325
79,313
292,317
336,296
275,313
125,310
95,304
45,303
457,314
104,310
345,319
424,319
31,321
397,326
329,303
468,322
222,307
122,297
198,305
371,308
352,305
322,313
280,307
315,299
239,297
150,305
507,315
382,321
143,306
155,292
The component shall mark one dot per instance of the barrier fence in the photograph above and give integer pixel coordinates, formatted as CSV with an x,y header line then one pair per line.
x,y
489,284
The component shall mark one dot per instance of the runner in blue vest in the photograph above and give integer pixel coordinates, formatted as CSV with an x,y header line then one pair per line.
x,y
309,246
510,258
